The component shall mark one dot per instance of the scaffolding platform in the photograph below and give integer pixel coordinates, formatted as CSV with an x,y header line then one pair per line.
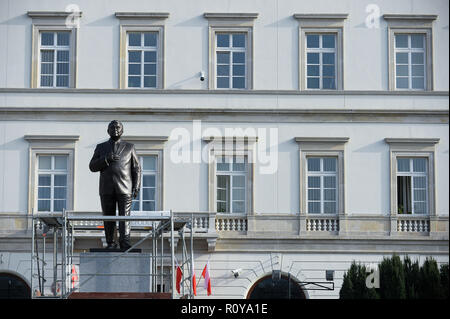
x,y
112,274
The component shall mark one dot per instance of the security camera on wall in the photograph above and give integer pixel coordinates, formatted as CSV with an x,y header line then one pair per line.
x,y
236,272
202,76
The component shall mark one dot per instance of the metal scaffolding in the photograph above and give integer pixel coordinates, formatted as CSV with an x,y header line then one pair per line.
x,y
62,226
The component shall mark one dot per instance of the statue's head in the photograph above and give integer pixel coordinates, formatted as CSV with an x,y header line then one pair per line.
x,y
115,130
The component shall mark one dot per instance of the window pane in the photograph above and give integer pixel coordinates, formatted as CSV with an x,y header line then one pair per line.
x,y
238,82
314,207
313,164
313,70
45,162
420,208
419,165
148,206
313,194
328,58
313,182
417,40
401,70
43,205
43,192
328,70
420,195
329,207
404,194
47,55
329,181
134,39
149,163
150,81
418,83
417,70
223,70
148,193
223,40
221,207
238,57
239,40
401,41
417,58
135,205
312,41
62,81
63,38
60,192
239,194
312,58
239,70
134,69
328,83
134,56
238,207
403,164
149,56
60,180
47,38
223,57
46,80
150,69
223,181
420,182
223,166
62,68
238,181
221,194
59,205
329,164
148,181
223,82
150,39
312,83
134,81
62,56
402,83
328,41
401,58
329,194
239,167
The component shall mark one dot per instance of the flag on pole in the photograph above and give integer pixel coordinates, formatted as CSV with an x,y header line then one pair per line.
x,y
74,276
205,274
194,281
179,277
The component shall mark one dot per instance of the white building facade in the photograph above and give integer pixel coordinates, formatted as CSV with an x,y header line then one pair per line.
x,y
301,135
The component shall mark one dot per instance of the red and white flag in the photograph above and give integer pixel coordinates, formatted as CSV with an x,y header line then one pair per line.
x,y
205,274
179,277
194,281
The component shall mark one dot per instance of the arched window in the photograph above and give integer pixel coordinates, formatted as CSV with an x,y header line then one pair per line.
x,y
283,288
13,287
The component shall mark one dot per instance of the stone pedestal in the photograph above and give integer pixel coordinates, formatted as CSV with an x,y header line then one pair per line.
x,y
114,272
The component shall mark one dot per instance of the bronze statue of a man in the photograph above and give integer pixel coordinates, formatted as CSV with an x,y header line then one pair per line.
x,y
120,179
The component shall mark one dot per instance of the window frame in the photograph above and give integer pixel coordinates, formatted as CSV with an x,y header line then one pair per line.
x,y
413,148
410,24
157,174
321,24
51,145
230,23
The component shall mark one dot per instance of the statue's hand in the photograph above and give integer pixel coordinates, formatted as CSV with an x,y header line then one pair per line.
x,y
112,157
135,192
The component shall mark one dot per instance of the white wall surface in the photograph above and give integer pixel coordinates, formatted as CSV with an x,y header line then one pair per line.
x,y
275,40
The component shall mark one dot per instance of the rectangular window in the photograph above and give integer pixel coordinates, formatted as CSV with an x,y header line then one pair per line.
x,y
54,51
322,185
410,57
412,190
142,52
321,61
231,68
231,184
52,183
147,198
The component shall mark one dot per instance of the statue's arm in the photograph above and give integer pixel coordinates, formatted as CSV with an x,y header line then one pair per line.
x,y
98,161
135,170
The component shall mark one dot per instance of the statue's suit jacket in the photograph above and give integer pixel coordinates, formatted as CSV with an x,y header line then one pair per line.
x,y
119,177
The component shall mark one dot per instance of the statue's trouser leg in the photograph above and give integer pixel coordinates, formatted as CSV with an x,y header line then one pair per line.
x,y
109,209
124,205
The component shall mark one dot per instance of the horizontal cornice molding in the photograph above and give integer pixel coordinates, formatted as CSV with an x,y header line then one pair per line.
x,y
214,15
321,16
410,17
223,92
142,15
51,138
53,14
223,139
410,140
322,139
